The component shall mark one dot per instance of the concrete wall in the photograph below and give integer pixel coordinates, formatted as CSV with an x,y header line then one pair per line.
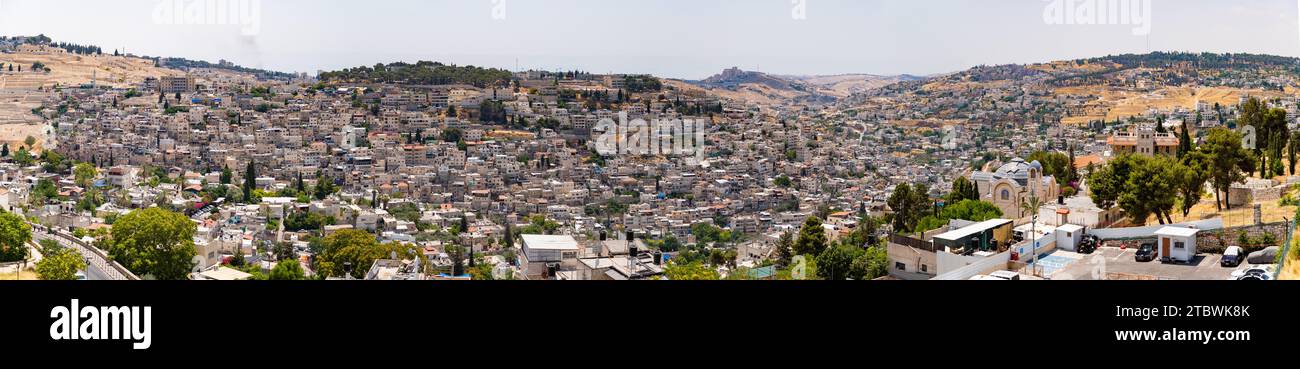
x,y
912,259
1046,244
977,267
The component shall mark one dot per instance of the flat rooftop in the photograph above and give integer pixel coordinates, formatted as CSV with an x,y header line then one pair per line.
x,y
540,242
972,229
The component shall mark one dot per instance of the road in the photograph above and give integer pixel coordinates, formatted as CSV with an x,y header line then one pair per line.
x,y
98,267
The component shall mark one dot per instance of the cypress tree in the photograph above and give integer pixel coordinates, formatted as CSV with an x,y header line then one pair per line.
x,y
250,181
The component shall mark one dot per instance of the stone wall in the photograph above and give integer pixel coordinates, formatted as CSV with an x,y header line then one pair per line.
x,y
1130,244
1215,242
1242,195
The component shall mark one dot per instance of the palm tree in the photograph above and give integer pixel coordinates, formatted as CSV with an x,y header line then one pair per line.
x,y
1031,206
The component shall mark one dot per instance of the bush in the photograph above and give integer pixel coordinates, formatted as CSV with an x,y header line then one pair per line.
x,y
1288,200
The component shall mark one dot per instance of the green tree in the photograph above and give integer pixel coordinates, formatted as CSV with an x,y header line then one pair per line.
x,y
865,233
812,238
154,242
15,233
836,263
1144,185
976,211
325,187
1191,176
360,248
287,270
870,264
962,189
1109,181
60,264
1055,164
909,204
1228,162
84,173
1291,153
783,182
250,183
691,272
53,162
508,239
785,249
1185,144
24,158
1072,171
284,251
226,175
1151,189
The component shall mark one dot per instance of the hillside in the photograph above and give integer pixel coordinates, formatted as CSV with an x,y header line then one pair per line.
x,y
68,69
20,92
846,85
760,87
1077,92
422,73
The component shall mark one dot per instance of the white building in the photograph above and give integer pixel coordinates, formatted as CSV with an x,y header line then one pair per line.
x,y
544,256
1176,244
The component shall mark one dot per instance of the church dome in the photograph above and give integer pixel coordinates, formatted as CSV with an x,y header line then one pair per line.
x,y
1018,170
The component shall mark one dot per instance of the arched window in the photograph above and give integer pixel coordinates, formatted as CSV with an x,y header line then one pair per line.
x,y
1006,195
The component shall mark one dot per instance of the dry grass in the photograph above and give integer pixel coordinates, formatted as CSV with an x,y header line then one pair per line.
x,y
1292,271
20,92
1124,104
73,70
25,275
1240,216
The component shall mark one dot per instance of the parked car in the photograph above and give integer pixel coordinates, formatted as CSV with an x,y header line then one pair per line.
x,y
1255,275
1146,253
1265,256
1266,271
1232,257
80,276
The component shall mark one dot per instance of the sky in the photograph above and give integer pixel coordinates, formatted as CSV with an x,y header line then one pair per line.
x,y
689,39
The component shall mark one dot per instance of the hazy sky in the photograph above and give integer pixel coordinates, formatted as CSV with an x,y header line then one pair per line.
x,y
674,38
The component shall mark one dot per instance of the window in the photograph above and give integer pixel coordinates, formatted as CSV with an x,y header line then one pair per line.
x,y
925,268
1180,245
1006,195
900,266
